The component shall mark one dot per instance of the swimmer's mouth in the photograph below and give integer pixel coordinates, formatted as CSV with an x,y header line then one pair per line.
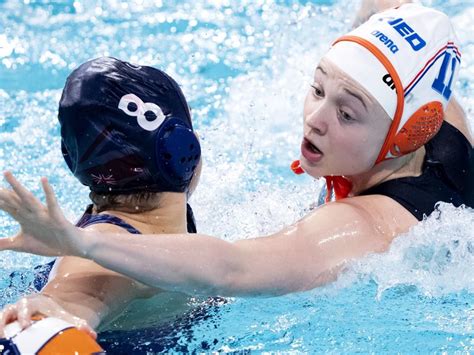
x,y
311,146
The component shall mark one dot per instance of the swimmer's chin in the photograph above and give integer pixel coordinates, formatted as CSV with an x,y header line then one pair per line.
x,y
313,170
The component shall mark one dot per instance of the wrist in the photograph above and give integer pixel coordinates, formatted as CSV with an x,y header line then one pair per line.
x,y
82,243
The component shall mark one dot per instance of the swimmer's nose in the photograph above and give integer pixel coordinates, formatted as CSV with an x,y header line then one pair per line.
x,y
317,119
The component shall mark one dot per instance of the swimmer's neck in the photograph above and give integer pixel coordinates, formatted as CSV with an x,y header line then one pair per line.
x,y
169,217
408,165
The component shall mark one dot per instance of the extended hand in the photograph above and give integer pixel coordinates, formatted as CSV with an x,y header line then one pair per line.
x,y
26,308
44,229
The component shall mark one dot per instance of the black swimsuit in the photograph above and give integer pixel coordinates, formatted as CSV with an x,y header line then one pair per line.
x,y
448,176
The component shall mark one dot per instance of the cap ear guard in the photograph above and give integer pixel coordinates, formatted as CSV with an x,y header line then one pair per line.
x,y
177,152
418,130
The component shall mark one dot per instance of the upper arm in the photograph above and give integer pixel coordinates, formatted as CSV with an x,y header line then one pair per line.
x,y
313,251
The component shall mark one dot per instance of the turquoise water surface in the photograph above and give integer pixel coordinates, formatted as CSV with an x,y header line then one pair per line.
x,y
245,67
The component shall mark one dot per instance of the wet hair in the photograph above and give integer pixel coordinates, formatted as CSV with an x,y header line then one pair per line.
x,y
130,203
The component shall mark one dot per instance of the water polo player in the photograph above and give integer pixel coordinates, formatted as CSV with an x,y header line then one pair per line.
x,y
126,134
380,123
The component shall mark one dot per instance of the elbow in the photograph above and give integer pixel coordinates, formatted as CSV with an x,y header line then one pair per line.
x,y
225,281
231,283
230,277
243,281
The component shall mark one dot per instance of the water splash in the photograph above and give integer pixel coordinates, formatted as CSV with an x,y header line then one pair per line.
x,y
436,257
245,67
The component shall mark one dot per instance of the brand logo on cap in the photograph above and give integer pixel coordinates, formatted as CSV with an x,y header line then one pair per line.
x,y
149,115
385,40
413,38
387,79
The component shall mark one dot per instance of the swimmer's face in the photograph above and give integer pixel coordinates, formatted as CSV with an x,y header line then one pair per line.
x,y
344,126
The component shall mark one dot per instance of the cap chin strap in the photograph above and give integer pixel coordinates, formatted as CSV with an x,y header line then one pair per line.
x,y
339,184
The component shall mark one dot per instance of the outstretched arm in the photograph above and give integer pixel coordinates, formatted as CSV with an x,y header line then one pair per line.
x,y
301,257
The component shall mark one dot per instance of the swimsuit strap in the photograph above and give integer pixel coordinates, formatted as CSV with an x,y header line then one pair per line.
x,y
88,219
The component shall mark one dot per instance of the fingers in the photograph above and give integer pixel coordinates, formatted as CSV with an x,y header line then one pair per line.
x,y
22,192
9,201
24,313
51,200
6,316
27,308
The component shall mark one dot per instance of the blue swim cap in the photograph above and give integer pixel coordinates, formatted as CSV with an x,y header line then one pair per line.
x,y
127,129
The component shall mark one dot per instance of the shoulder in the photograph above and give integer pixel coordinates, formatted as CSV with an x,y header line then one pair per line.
x,y
382,212
349,228
371,215
105,228
317,247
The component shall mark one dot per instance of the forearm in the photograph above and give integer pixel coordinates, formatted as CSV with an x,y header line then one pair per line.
x,y
175,262
203,265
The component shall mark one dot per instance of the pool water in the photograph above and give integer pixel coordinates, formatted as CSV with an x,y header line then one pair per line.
x,y
245,67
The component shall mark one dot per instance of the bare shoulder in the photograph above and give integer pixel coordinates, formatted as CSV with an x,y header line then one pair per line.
x,y
73,264
386,214
81,271
372,217
349,228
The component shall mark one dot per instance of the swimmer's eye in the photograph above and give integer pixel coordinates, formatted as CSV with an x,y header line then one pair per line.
x,y
317,91
345,116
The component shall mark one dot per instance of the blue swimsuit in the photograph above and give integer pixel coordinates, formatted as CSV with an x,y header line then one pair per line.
x,y
89,219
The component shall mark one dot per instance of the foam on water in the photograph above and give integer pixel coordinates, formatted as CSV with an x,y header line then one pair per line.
x,y
245,68
436,256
